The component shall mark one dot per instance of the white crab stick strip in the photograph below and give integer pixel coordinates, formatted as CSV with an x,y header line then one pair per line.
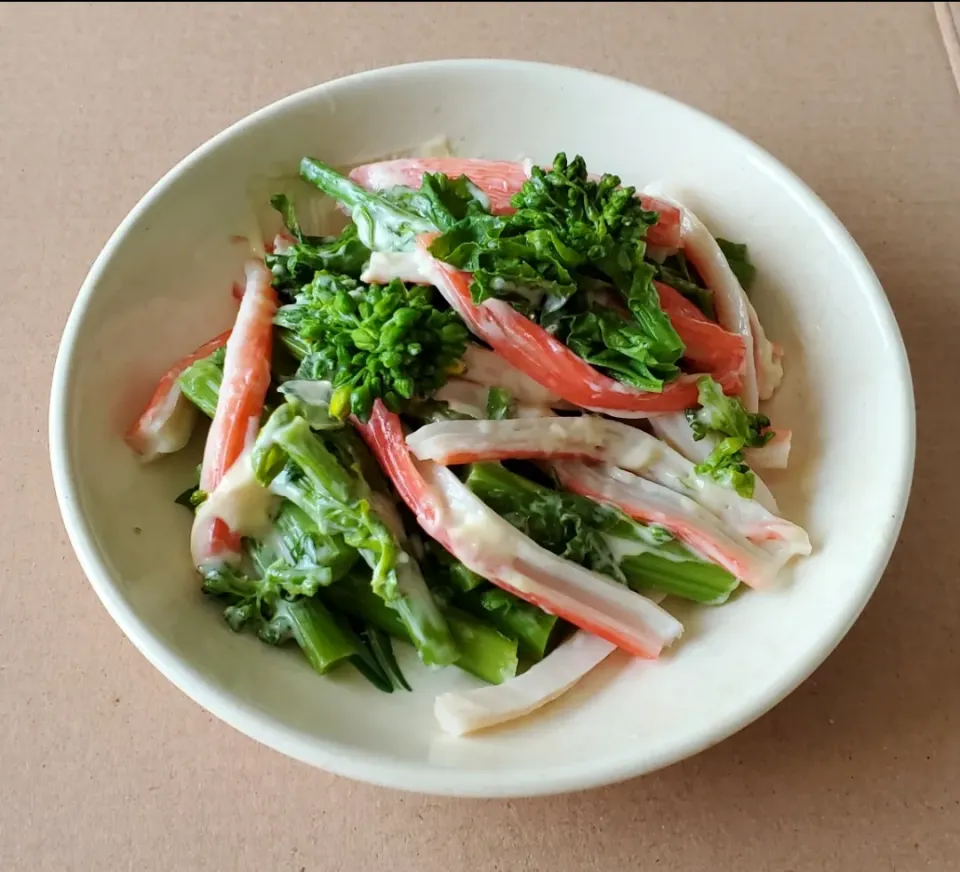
x,y
734,311
470,530
493,548
675,430
469,398
774,455
468,711
610,442
489,369
462,712
241,502
385,266
703,532
167,422
464,397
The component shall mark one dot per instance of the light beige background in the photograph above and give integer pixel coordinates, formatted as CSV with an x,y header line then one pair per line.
x,y
106,766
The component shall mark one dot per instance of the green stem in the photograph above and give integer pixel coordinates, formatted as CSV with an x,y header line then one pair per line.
x,y
317,633
342,506
297,346
657,561
320,466
381,224
532,627
484,651
694,580
301,543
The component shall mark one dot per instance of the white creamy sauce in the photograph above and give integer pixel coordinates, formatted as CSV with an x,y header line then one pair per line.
x,y
169,427
240,501
408,266
621,548
481,197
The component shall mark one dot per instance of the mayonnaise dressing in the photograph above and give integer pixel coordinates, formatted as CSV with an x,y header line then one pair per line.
x,y
170,426
240,501
408,266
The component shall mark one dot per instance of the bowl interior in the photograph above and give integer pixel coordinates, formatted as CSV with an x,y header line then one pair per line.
x,y
162,286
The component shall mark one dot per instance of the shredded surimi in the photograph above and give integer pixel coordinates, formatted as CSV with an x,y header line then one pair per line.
x,y
603,441
166,423
461,712
489,545
733,307
246,377
488,368
756,564
467,398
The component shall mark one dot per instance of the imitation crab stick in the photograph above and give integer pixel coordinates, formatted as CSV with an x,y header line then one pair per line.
x,y
498,180
466,711
487,544
166,423
603,441
246,377
702,531
763,371
468,398
706,344
529,348
487,368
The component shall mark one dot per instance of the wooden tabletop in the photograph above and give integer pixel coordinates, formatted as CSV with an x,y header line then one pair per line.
x,y
104,765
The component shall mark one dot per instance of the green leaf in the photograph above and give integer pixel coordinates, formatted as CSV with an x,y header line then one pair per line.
x,y
736,255
725,416
343,255
191,497
382,649
440,200
284,205
381,224
676,272
567,232
726,464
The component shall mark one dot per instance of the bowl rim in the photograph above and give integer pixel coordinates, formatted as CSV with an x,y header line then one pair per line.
x,y
423,778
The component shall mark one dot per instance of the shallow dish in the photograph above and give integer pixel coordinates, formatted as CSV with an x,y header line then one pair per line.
x,y
160,287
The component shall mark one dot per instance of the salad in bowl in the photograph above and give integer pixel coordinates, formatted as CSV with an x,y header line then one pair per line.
x,y
600,469
500,412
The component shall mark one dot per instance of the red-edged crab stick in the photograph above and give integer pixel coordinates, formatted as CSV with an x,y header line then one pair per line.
x,y
451,514
246,377
529,348
498,181
600,440
702,531
166,423
763,371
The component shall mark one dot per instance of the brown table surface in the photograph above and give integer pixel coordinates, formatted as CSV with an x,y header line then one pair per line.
x,y
104,765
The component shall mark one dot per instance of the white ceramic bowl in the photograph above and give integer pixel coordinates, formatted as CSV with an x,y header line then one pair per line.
x,y
159,288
